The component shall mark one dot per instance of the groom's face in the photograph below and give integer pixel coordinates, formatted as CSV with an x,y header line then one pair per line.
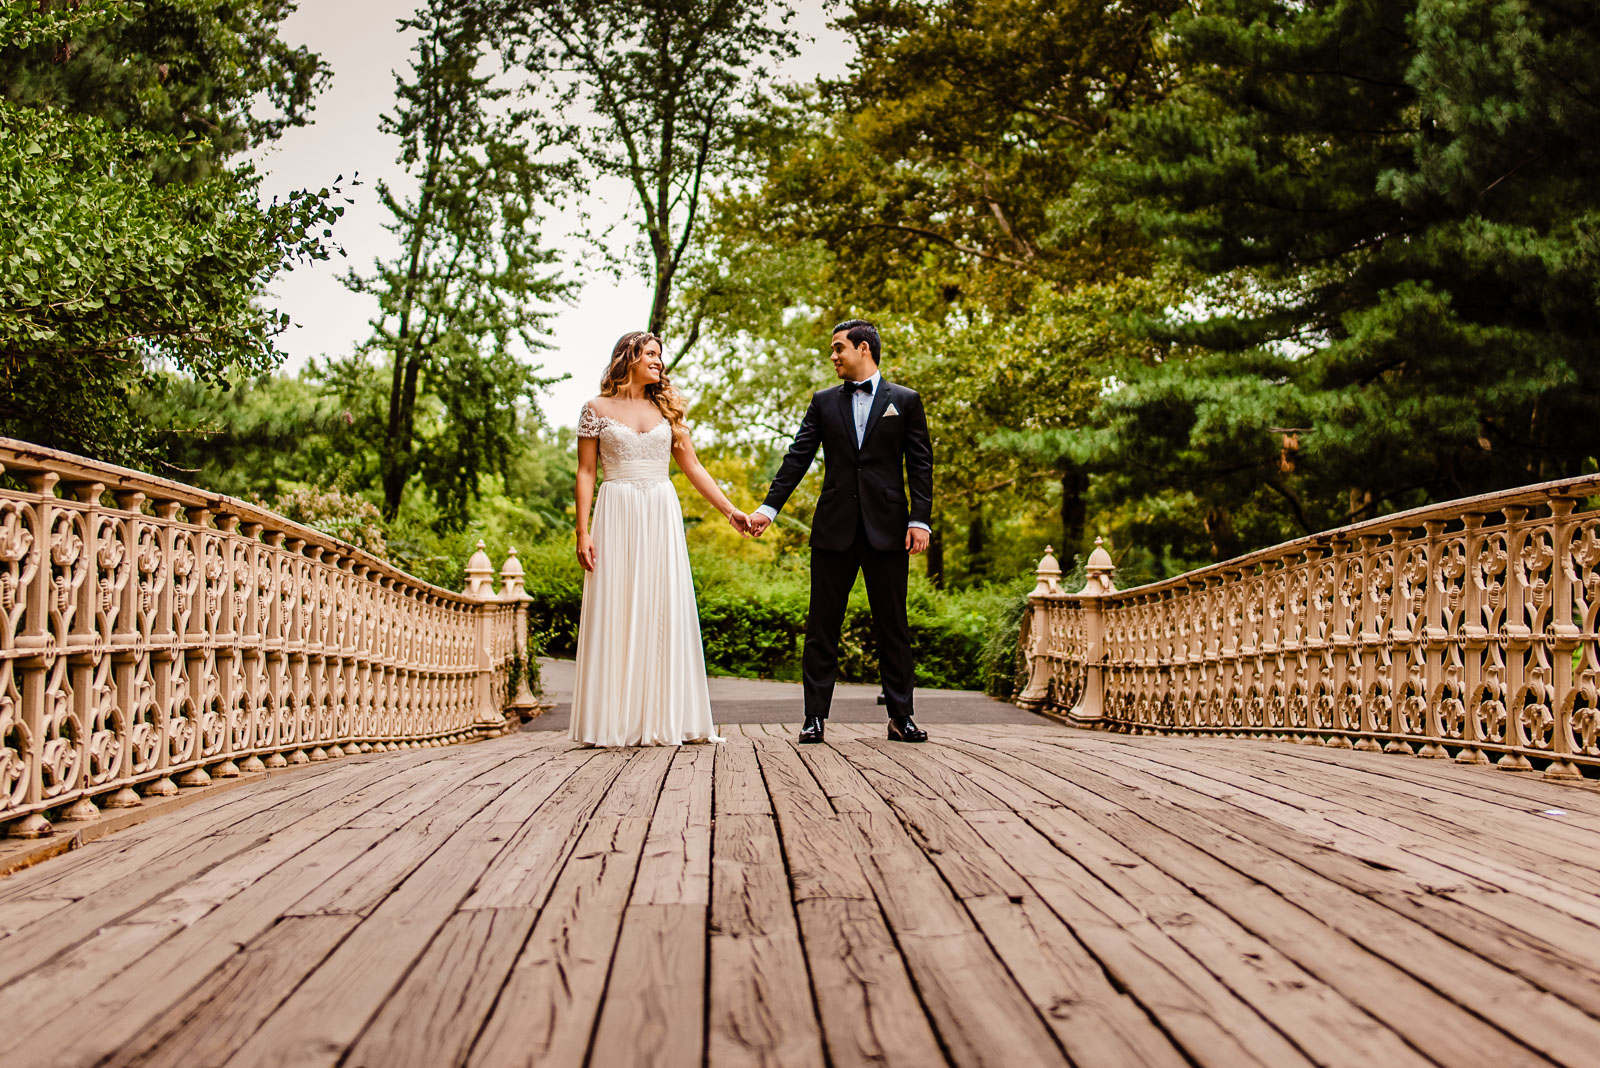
x,y
852,362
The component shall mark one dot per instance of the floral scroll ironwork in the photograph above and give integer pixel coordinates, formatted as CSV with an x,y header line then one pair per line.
x,y
154,636
1464,630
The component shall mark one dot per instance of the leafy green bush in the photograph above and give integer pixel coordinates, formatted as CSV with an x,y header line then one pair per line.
x,y
336,513
753,621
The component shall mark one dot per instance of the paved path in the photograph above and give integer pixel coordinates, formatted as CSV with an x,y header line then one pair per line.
x,y
766,701
1008,895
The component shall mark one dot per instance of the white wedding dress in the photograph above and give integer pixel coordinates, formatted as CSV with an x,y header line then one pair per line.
x,y
641,675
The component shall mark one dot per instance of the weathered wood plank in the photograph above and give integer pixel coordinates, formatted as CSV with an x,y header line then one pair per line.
x,y
676,866
1447,777
1092,835
653,1014
739,789
435,1016
820,847
1541,845
977,1009
1017,895
869,1007
548,1003
332,1007
363,884
1094,1023
201,922
216,1017
1537,1019
551,998
1551,945
521,875
761,1010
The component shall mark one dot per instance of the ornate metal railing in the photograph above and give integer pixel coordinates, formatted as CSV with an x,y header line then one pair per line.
x,y
1464,629
154,636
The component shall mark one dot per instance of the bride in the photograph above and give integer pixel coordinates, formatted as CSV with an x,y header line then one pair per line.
x,y
641,673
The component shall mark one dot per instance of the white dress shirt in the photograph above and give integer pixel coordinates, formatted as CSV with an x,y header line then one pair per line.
x,y
861,408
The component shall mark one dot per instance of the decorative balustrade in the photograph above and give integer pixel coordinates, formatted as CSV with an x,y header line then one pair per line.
x,y
154,636
1464,629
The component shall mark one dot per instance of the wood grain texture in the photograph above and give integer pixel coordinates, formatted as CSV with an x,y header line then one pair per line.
x,y
1006,894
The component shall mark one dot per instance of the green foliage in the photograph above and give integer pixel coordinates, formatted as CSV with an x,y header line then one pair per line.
x,y
335,513
753,620
650,93
940,191
103,272
1395,205
264,435
191,70
122,247
471,284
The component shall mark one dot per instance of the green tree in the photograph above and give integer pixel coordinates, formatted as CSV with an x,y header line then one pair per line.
x,y
941,190
1396,208
670,81
103,274
218,76
108,271
471,283
264,436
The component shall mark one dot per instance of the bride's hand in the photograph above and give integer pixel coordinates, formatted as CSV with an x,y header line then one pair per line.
x,y
586,552
740,522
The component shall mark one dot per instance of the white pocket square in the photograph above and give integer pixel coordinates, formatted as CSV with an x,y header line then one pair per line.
x,y
891,410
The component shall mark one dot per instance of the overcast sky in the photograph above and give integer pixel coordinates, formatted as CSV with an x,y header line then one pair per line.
x,y
358,38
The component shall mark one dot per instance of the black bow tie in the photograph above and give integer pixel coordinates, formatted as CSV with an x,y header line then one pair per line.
x,y
864,387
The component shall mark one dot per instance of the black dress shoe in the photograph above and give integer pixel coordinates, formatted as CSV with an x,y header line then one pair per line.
x,y
811,730
904,730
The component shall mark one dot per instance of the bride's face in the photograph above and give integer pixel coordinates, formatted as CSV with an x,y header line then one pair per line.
x,y
647,372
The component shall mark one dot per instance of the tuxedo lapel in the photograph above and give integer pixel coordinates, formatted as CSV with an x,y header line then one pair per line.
x,y
849,416
880,401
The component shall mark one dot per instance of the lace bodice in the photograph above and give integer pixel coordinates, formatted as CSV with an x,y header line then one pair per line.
x,y
625,454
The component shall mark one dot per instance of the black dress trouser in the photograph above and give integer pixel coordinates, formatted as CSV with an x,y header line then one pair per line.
x,y
833,573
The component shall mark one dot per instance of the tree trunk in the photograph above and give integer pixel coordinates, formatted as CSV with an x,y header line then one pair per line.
x,y
1074,509
977,545
1219,527
1360,502
663,294
936,557
395,462
403,423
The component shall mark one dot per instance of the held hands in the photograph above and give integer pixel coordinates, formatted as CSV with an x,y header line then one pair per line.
x,y
916,540
758,523
585,551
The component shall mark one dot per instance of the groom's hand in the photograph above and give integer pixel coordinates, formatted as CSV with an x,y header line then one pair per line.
x,y
916,540
758,523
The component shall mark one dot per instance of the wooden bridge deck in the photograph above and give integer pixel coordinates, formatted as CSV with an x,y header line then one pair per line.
x,y
1006,895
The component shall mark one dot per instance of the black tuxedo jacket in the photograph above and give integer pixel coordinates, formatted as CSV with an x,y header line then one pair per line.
x,y
867,484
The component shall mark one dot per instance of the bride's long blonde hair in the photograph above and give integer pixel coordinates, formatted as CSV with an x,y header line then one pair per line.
x,y
628,351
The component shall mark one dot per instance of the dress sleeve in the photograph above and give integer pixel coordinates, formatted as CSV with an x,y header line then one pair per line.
x,y
589,424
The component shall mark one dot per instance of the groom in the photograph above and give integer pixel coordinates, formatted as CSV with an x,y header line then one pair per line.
x,y
870,431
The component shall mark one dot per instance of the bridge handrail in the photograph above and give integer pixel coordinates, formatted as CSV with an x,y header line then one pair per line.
x,y
155,636
1465,628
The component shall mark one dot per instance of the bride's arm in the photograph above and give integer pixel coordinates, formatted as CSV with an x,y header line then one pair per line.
x,y
588,460
701,480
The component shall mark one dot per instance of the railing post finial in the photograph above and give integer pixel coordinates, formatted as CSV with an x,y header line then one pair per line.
x,y
511,577
1100,568
1049,574
480,574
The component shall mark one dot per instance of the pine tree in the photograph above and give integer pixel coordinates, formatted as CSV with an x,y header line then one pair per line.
x,y
464,301
1395,204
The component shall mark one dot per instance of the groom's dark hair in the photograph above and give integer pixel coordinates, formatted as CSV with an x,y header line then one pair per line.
x,y
861,330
